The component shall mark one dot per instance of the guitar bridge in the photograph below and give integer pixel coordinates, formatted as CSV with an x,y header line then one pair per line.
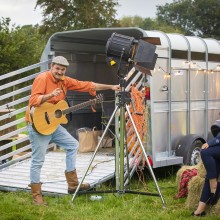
x,y
47,118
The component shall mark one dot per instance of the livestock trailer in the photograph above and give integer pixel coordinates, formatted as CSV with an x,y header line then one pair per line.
x,y
184,86
182,97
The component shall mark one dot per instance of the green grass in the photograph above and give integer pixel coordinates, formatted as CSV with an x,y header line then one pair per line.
x,y
17,205
23,124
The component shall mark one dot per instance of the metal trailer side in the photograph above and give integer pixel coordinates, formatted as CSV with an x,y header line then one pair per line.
x,y
184,96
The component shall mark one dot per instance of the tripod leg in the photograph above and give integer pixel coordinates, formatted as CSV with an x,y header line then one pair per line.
x,y
123,152
122,147
145,155
127,160
93,156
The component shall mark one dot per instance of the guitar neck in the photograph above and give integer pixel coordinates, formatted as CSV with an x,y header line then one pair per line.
x,y
79,106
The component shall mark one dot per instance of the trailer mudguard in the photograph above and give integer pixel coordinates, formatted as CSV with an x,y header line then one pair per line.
x,y
189,147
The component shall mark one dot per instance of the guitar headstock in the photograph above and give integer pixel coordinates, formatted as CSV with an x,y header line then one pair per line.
x,y
99,98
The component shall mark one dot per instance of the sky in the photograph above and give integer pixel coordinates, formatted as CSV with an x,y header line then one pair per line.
x,y
22,12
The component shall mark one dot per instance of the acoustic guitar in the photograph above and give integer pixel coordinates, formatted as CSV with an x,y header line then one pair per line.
x,y
47,117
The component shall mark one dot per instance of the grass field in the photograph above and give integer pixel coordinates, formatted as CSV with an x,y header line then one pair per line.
x,y
17,205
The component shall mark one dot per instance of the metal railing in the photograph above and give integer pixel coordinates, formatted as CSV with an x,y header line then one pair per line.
x,y
15,88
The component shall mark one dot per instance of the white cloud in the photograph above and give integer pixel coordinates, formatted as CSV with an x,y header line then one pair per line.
x,y
20,12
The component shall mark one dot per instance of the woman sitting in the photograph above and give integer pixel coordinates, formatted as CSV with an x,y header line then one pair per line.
x,y
210,155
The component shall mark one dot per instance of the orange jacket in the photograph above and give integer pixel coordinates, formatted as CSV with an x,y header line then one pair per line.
x,y
45,84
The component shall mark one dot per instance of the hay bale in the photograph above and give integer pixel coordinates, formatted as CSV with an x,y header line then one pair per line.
x,y
201,169
195,187
215,210
194,191
201,172
180,172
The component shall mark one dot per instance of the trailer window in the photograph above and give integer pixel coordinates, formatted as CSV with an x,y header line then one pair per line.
x,y
214,57
198,56
180,54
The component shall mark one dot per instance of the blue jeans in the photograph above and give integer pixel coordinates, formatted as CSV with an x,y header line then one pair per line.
x,y
39,144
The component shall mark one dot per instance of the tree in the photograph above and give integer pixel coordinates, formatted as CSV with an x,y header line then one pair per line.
x,y
195,17
148,24
19,46
60,15
126,21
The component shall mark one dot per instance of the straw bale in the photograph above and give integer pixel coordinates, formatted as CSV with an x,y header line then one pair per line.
x,y
215,210
201,169
180,172
194,191
195,187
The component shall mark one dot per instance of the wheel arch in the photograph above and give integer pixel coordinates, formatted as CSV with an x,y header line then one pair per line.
x,y
185,144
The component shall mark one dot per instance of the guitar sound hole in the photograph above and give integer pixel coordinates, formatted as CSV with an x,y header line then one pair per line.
x,y
58,114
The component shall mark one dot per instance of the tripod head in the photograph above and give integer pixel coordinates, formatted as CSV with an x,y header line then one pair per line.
x,y
124,96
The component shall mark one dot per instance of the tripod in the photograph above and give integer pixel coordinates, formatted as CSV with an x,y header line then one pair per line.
x,y
124,100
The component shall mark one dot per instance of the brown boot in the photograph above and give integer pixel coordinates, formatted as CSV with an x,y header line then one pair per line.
x,y
37,194
72,181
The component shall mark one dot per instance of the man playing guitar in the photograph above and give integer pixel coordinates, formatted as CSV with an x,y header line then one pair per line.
x,y
51,87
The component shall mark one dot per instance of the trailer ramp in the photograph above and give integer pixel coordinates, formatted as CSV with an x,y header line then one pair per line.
x,y
16,177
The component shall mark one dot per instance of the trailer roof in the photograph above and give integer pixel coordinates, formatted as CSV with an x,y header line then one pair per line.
x,y
181,42
99,36
213,45
98,33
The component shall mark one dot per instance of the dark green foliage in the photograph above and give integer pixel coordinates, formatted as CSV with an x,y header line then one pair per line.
x,y
148,24
194,17
62,15
19,46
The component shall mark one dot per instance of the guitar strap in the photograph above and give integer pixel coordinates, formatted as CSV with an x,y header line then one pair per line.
x,y
66,99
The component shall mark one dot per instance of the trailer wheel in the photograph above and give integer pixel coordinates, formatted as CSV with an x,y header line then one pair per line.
x,y
194,152
189,148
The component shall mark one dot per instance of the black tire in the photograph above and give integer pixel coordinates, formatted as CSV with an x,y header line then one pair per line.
x,y
193,156
189,148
